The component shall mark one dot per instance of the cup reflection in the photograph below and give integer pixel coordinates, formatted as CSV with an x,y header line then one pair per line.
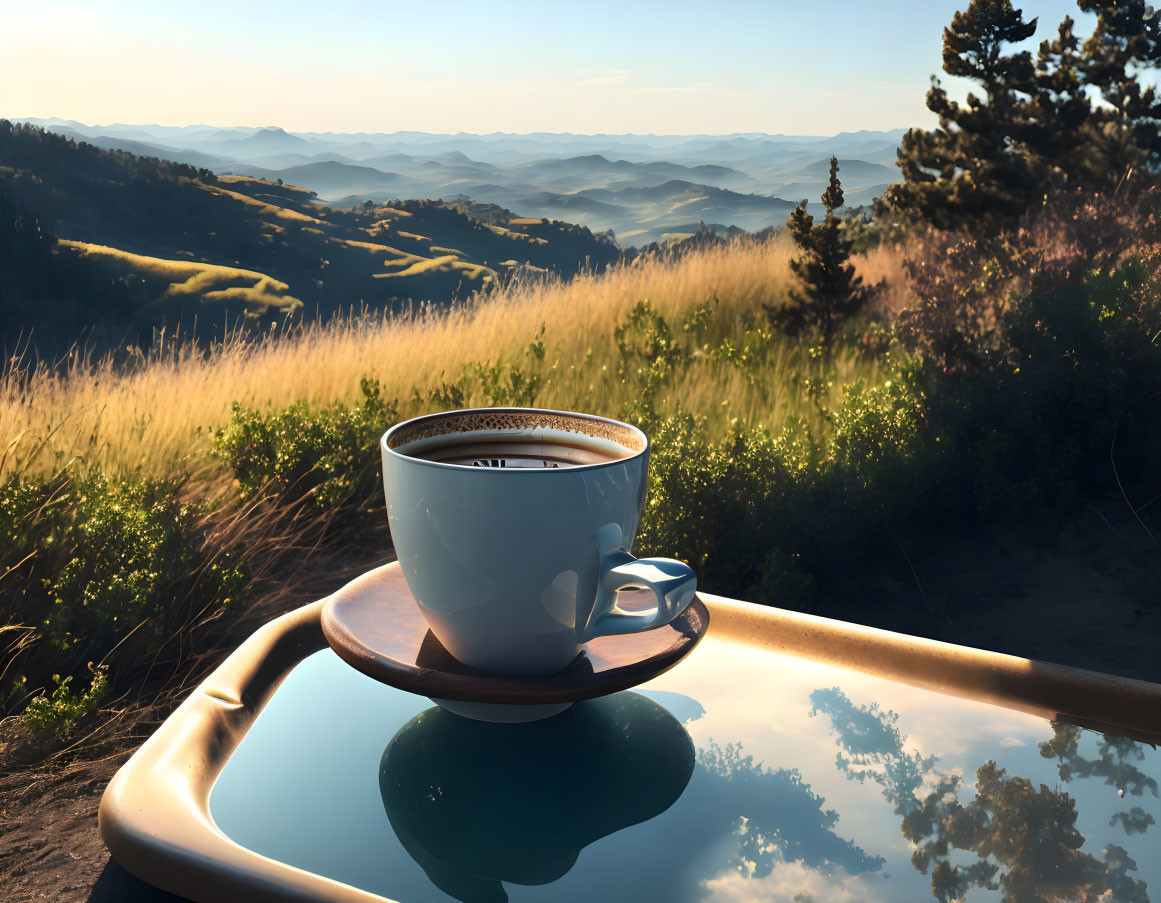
x,y
475,804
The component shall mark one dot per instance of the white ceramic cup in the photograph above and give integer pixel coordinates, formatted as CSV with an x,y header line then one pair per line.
x,y
516,567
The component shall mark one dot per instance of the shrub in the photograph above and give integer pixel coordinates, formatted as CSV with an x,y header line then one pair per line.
x,y
648,356
327,459
960,296
774,518
879,431
509,385
58,714
500,383
721,506
1079,358
89,565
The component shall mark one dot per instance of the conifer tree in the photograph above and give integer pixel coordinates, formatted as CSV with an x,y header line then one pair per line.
x,y
831,290
1077,120
1124,130
974,171
1062,109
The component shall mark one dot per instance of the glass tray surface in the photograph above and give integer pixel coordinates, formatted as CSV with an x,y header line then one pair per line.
x,y
739,775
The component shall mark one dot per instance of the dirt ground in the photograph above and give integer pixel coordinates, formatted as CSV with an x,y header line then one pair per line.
x,y
1084,592
50,848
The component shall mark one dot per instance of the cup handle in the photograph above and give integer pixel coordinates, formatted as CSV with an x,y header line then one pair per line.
x,y
672,582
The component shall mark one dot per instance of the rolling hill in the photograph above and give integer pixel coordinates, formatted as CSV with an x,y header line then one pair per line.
x,y
146,244
643,215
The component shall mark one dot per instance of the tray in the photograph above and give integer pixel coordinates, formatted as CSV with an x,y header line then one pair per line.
x,y
786,755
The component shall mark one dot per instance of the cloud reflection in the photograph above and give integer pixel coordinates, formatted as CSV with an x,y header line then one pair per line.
x,y
1025,837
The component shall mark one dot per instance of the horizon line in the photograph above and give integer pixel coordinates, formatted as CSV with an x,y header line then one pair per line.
x,y
193,125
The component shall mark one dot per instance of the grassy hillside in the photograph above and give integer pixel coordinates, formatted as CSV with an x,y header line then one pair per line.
x,y
169,281
781,467
112,418
155,220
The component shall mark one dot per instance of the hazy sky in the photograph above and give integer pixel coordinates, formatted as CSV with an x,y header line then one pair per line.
x,y
796,67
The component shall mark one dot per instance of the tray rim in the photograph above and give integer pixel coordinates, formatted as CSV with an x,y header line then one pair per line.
x,y
155,818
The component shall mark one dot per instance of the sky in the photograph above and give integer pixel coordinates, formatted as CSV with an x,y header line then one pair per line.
x,y
448,66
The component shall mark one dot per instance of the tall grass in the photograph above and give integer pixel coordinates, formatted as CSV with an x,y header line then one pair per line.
x,y
154,416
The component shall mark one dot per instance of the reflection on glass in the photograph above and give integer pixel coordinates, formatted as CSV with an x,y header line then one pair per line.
x,y
709,785
871,747
1025,837
476,804
1114,762
775,816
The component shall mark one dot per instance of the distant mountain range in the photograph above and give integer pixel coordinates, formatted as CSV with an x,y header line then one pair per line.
x,y
643,187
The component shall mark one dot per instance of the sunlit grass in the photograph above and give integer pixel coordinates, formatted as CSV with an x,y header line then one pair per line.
x,y
173,279
262,208
154,417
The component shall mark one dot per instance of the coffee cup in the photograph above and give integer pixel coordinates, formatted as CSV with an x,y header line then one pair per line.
x,y
513,528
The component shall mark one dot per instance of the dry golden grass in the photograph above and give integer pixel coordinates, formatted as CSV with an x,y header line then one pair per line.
x,y
305,194
435,264
155,417
261,208
885,264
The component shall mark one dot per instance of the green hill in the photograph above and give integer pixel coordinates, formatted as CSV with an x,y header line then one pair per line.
x,y
109,246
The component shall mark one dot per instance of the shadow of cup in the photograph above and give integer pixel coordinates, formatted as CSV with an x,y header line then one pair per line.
x,y
475,804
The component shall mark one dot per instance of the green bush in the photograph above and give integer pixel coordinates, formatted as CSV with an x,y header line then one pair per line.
x,y
509,385
883,456
772,517
325,458
56,715
1079,363
719,506
89,565
649,355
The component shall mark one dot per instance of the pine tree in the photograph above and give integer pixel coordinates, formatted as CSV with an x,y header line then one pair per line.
x,y
1124,130
1077,121
974,171
832,291
1062,109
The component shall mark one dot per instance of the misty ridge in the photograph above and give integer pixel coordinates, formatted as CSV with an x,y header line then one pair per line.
x,y
643,188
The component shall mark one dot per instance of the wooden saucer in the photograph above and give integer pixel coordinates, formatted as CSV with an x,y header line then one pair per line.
x,y
377,628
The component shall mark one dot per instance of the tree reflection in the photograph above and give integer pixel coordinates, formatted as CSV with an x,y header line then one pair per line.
x,y
1114,763
871,747
481,806
777,817
1135,821
1025,837
1028,833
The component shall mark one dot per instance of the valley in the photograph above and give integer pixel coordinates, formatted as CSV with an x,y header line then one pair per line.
x,y
643,188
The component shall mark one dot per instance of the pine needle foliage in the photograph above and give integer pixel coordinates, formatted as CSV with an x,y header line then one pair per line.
x,y
832,292
1042,131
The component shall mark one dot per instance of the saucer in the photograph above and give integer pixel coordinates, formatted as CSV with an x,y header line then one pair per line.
x,y
378,629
